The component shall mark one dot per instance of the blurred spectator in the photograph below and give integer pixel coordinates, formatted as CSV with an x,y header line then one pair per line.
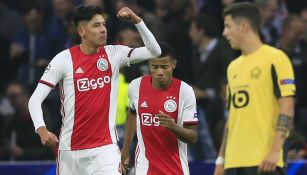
x,y
210,58
178,36
60,24
268,10
7,27
21,143
295,47
30,50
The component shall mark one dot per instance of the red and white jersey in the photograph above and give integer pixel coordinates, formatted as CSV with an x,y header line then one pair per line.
x,y
159,151
88,91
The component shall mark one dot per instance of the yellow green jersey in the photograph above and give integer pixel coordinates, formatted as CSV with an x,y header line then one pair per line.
x,y
255,82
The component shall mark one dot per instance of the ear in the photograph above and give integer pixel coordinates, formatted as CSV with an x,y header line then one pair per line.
x,y
80,30
245,26
174,63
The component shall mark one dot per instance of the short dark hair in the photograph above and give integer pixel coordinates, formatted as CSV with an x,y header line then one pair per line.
x,y
209,24
85,12
166,50
246,10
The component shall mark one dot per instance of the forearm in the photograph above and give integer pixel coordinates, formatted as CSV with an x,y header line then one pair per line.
x,y
284,122
35,105
151,49
130,127
224,141
186,135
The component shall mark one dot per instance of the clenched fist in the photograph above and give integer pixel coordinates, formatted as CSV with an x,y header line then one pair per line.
x,y
128,15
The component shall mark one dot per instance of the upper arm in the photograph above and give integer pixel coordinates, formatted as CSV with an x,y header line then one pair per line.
x,y
189,114
55,70
133,94
283,76
286,105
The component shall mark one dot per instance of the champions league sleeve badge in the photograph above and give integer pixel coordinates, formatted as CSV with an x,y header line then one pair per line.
x,y
170,104
102,64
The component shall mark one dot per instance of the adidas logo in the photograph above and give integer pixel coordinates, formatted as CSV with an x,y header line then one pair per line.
x,y
79,71
144,105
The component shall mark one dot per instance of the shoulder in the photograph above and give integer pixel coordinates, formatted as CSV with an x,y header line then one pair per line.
x,y
186,90
62,57
115,48
135,84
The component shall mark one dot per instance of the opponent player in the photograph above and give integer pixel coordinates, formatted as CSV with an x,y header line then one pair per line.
x,y
260,96
163,111
88,76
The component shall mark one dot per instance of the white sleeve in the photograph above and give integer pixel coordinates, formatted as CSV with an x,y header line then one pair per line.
x,y
151,49
55,71
133,93
35,105
189,114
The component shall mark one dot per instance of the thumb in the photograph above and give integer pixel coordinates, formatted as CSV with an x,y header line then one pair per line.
x,y
161,112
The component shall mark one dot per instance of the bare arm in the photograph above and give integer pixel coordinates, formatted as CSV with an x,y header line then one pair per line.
x,y
130,127
284,124
187,133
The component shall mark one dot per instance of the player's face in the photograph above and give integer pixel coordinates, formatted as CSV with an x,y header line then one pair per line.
x,y
161,70
232,32
94,31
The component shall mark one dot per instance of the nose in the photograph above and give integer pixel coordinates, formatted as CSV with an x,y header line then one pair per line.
x,y
160,72
224,33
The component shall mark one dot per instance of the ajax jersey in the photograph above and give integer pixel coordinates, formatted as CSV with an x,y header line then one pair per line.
x,y
88,92
159,151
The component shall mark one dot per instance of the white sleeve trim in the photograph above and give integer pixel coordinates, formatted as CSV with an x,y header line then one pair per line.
x,y
35,105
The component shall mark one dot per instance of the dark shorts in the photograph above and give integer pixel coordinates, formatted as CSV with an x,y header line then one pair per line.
x,y
254,171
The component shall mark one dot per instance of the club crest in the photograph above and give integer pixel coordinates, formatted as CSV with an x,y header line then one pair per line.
x,y
102,64
170,105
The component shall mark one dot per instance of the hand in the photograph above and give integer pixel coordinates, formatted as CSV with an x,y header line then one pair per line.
x,y
47,138
128,15
269,163
15,150
166,121
125,160
219,169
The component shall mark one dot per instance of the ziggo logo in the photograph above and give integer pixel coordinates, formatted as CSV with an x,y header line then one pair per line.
x,y
85,84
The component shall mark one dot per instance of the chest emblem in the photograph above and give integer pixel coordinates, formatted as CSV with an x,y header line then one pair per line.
x,y
170,105
255,73
102,64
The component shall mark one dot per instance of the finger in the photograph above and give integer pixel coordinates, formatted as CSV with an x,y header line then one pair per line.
x,y
161,112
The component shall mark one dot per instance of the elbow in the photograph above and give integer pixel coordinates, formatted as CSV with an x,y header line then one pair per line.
x,y
156,52
194,139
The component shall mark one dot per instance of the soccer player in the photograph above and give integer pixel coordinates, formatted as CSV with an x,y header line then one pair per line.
x,y
163,111
260,97
88,77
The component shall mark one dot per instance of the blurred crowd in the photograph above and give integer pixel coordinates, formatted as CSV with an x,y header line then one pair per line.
x,y
32,32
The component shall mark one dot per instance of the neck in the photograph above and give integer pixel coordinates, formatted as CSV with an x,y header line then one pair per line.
x,y
88,49
250,44
161,86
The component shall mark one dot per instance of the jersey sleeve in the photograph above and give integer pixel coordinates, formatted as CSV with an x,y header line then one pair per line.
x,y
189,109
134,55
283,76
55,70
133,93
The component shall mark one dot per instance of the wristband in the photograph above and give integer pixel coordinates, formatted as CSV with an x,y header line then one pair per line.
x,y
219,161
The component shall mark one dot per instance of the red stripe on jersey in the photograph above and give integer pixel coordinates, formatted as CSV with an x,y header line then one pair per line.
x,y
47,83
161,145
130,52
190,122
92,84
